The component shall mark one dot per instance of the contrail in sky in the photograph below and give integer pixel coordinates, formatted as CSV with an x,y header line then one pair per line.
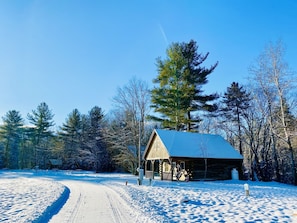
x,y
163,33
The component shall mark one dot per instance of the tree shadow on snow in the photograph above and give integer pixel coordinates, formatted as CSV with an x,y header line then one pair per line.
x,y
196,203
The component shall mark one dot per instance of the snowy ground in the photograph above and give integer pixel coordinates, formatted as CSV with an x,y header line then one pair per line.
x,y
28,196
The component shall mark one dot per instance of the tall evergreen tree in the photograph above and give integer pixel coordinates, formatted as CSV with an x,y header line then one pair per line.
x,y
71,136
84,146
235,101
11,133
180,79
95,142
42,120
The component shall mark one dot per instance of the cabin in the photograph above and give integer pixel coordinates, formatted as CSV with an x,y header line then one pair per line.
x,y
175,155
55,163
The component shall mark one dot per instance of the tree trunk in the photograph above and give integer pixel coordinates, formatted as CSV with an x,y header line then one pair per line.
x,y
291,151
275,159
239,132
205,168
189,122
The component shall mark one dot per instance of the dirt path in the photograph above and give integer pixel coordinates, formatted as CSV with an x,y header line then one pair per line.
x,y
93,202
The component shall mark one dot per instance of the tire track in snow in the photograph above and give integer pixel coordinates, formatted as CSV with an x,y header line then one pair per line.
x,y
69,210
93,202
116,205
73,212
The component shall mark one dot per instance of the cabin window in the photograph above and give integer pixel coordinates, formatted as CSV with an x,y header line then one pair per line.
x,y
166,167
182,165
173,165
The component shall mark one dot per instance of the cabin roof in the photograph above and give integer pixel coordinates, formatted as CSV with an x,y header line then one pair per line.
x,y
195,145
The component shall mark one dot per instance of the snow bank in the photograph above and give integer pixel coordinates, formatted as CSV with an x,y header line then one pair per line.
x,y
25,199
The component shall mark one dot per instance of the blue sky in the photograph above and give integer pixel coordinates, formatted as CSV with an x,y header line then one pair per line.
x,y
74,54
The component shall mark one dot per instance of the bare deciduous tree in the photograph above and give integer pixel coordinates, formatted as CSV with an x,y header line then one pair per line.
x,y
132,103
274,82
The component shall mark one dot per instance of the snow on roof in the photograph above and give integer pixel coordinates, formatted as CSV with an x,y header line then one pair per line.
x,y
196,145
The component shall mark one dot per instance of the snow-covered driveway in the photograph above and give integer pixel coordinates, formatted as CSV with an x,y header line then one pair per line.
x,y
90,202
68,196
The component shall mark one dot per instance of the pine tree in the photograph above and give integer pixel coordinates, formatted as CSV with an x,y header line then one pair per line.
x,y
84,146
95,142
179,92
235,101
11,133
70,134
42,120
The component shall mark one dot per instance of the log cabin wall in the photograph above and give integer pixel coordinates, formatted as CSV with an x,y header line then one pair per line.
x,y
216,169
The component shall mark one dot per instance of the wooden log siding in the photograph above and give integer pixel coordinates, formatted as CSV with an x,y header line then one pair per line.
x,y
217,169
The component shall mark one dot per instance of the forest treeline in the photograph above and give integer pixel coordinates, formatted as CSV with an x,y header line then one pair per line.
x,y
258,118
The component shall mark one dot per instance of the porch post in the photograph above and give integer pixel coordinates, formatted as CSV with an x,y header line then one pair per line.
x,y
153,169
145,168
161,169
171,169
